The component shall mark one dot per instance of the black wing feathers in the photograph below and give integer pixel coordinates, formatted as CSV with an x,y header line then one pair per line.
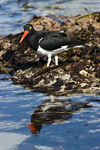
x,y
55,41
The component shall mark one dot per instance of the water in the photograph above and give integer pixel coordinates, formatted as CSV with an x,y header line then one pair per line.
x,y
77,130
17,105
14,14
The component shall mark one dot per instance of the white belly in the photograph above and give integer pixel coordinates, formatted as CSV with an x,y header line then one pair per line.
x,y
54,52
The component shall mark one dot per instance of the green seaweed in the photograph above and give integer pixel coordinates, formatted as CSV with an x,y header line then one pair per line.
x,y
92,16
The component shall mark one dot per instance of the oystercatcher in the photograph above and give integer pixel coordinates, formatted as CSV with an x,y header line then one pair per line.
x,y
49,43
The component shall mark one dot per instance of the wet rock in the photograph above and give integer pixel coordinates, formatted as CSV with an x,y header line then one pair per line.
x,y
78,70
46,23
84,73
83,85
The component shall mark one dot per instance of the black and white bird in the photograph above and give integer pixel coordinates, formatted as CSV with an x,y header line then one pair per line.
x,y
49,43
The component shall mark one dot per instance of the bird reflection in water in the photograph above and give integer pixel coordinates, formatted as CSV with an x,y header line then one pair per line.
x,y
53,112
34,128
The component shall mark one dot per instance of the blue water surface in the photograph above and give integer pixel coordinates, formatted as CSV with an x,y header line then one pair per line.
x,y
81,131
14,14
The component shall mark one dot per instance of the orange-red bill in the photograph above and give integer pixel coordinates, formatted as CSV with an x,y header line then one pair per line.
x,y
24,35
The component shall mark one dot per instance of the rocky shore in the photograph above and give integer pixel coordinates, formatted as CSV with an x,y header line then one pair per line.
x,y
78,71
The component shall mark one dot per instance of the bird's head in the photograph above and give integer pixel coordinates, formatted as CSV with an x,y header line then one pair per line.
x,y
28,29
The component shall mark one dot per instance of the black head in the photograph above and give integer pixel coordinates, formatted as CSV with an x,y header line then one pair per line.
x,y
28,29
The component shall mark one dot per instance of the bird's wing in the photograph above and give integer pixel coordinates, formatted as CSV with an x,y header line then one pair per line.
x,y
53,42
45,33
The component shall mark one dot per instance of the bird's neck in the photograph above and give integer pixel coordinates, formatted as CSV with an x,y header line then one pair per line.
x,y
32,40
